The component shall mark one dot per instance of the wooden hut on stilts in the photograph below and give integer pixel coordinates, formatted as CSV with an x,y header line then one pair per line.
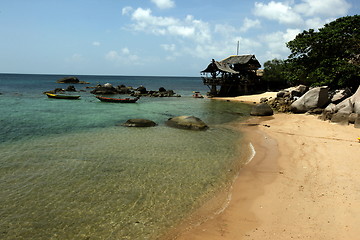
x,y
235,75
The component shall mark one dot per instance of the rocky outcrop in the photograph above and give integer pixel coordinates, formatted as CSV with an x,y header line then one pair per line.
x,y
108,89
262,109
186,122
315,98
139,123
71,80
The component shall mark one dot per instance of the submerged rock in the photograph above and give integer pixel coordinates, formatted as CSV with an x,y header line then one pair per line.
x,y
187,122
138,122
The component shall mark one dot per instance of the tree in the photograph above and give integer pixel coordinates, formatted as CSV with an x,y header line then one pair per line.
x,y
328,56
275,74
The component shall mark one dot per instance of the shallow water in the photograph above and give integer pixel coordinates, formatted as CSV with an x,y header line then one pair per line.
x,y
69,172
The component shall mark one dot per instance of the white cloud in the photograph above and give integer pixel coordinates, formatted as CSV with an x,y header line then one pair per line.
x,y
276,43
281,12
164,4
189,27
323,7
126,10
248,24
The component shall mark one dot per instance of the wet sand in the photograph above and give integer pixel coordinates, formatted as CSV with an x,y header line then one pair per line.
x,y
303,183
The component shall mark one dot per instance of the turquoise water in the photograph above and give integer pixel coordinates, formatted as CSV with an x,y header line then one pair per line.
x,y
68,171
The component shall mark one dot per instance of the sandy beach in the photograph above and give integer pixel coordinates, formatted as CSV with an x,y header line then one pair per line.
x,y
303,183
249,98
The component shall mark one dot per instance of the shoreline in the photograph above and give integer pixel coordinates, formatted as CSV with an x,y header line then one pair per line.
x,y
301,184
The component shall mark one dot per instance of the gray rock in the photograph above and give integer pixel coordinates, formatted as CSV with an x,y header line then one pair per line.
x,y
299,91
187,122
353,117
262,109
315,98
330,108
340,95
357,122
138,122
340,118
326,115
355,99
346,106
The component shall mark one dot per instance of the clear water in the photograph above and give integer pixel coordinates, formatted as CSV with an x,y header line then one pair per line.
x,y
69,172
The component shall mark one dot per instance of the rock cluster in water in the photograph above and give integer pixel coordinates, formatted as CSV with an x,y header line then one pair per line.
x,y
141,91
71,80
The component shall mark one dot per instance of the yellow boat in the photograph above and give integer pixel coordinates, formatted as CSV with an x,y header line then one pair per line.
x,y
60,96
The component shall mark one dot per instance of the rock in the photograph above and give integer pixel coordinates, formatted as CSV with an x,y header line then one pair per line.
x,y
315,98
340,118
340,95
352,117
355,99
330,108
108,85
326,115
280,94
70,88
262,109
345,106
102,90
299,91
357,122
315,111
161,89
186,122
264,100
71,80
139,123
142,90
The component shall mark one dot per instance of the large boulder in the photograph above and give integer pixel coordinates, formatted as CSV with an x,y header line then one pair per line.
x,y
262,109
298,91
138,122
315,98
355,99
187,122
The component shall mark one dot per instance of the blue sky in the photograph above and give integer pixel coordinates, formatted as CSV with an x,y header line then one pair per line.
x,y
151,37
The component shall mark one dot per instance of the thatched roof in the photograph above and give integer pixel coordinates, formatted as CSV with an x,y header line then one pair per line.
x,y
226,64
241,59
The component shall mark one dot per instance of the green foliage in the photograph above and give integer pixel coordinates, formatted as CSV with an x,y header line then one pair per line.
x,y
324,57
274,74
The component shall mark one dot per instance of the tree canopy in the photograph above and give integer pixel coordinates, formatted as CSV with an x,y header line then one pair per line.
x,y
329,56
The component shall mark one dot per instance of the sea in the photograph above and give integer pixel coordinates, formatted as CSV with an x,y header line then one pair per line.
x,y
70,170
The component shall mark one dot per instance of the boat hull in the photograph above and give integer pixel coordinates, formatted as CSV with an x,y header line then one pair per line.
x,y
117,100
58,96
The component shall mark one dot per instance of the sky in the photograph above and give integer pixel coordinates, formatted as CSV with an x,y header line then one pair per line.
x,y
152,37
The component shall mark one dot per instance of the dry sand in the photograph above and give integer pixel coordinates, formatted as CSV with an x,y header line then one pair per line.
x,y
249,98
303,183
